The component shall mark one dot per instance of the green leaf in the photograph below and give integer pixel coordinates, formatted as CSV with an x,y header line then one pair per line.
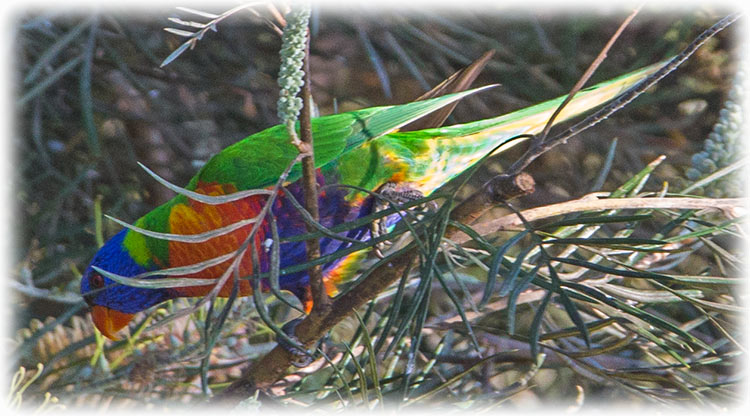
x,y
536,324
372,364
636,183
55,76
513,296
510,280
494,270
395,309
640,274
611,241
600,219
570,308
46,58
459,309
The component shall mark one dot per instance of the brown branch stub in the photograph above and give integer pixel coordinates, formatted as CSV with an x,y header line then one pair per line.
x,y
498,189
506,187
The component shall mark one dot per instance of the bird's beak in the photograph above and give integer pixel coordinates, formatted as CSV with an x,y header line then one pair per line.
x,y
109,321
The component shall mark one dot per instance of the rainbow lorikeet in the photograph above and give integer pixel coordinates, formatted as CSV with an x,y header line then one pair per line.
x,y
362,148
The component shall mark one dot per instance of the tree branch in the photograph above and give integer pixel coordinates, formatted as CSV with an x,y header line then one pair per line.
x,y
267,370
512,222
270,368
310,187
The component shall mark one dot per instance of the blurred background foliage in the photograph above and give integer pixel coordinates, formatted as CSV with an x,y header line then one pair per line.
x,y
92,100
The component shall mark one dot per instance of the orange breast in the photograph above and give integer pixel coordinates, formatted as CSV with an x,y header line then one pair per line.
x,y
196,218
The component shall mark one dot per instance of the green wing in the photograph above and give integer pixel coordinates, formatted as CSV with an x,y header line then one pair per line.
x,y
429,158
366,150
259,160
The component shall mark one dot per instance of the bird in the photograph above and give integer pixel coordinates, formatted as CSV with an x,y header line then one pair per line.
x,y
225,221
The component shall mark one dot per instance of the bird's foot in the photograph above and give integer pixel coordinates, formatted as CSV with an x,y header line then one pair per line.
x,y
302,358
398,194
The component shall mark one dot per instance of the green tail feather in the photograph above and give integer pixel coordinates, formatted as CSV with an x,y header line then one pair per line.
x,y
367,151
430,158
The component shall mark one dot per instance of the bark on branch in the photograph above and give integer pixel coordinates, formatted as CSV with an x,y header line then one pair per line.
x,y
267,370
273,366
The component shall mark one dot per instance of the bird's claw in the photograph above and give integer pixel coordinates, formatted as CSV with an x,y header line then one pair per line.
x,y
302,358
397,193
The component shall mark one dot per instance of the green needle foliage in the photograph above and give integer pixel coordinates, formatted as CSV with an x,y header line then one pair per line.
x,y
595,307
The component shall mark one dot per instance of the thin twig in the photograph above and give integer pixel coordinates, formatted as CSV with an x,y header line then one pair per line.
x,y
624,99
586,75
310,188
272,367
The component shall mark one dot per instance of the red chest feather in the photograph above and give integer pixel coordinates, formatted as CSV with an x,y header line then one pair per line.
x,y
196,218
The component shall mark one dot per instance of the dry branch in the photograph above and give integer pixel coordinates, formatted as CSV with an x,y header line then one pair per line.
x,y
732,207
264,372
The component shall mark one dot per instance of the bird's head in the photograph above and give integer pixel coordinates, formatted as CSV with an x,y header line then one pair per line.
x,y
113,305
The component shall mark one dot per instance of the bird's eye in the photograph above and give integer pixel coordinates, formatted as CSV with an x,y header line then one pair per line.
x,y
96,280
